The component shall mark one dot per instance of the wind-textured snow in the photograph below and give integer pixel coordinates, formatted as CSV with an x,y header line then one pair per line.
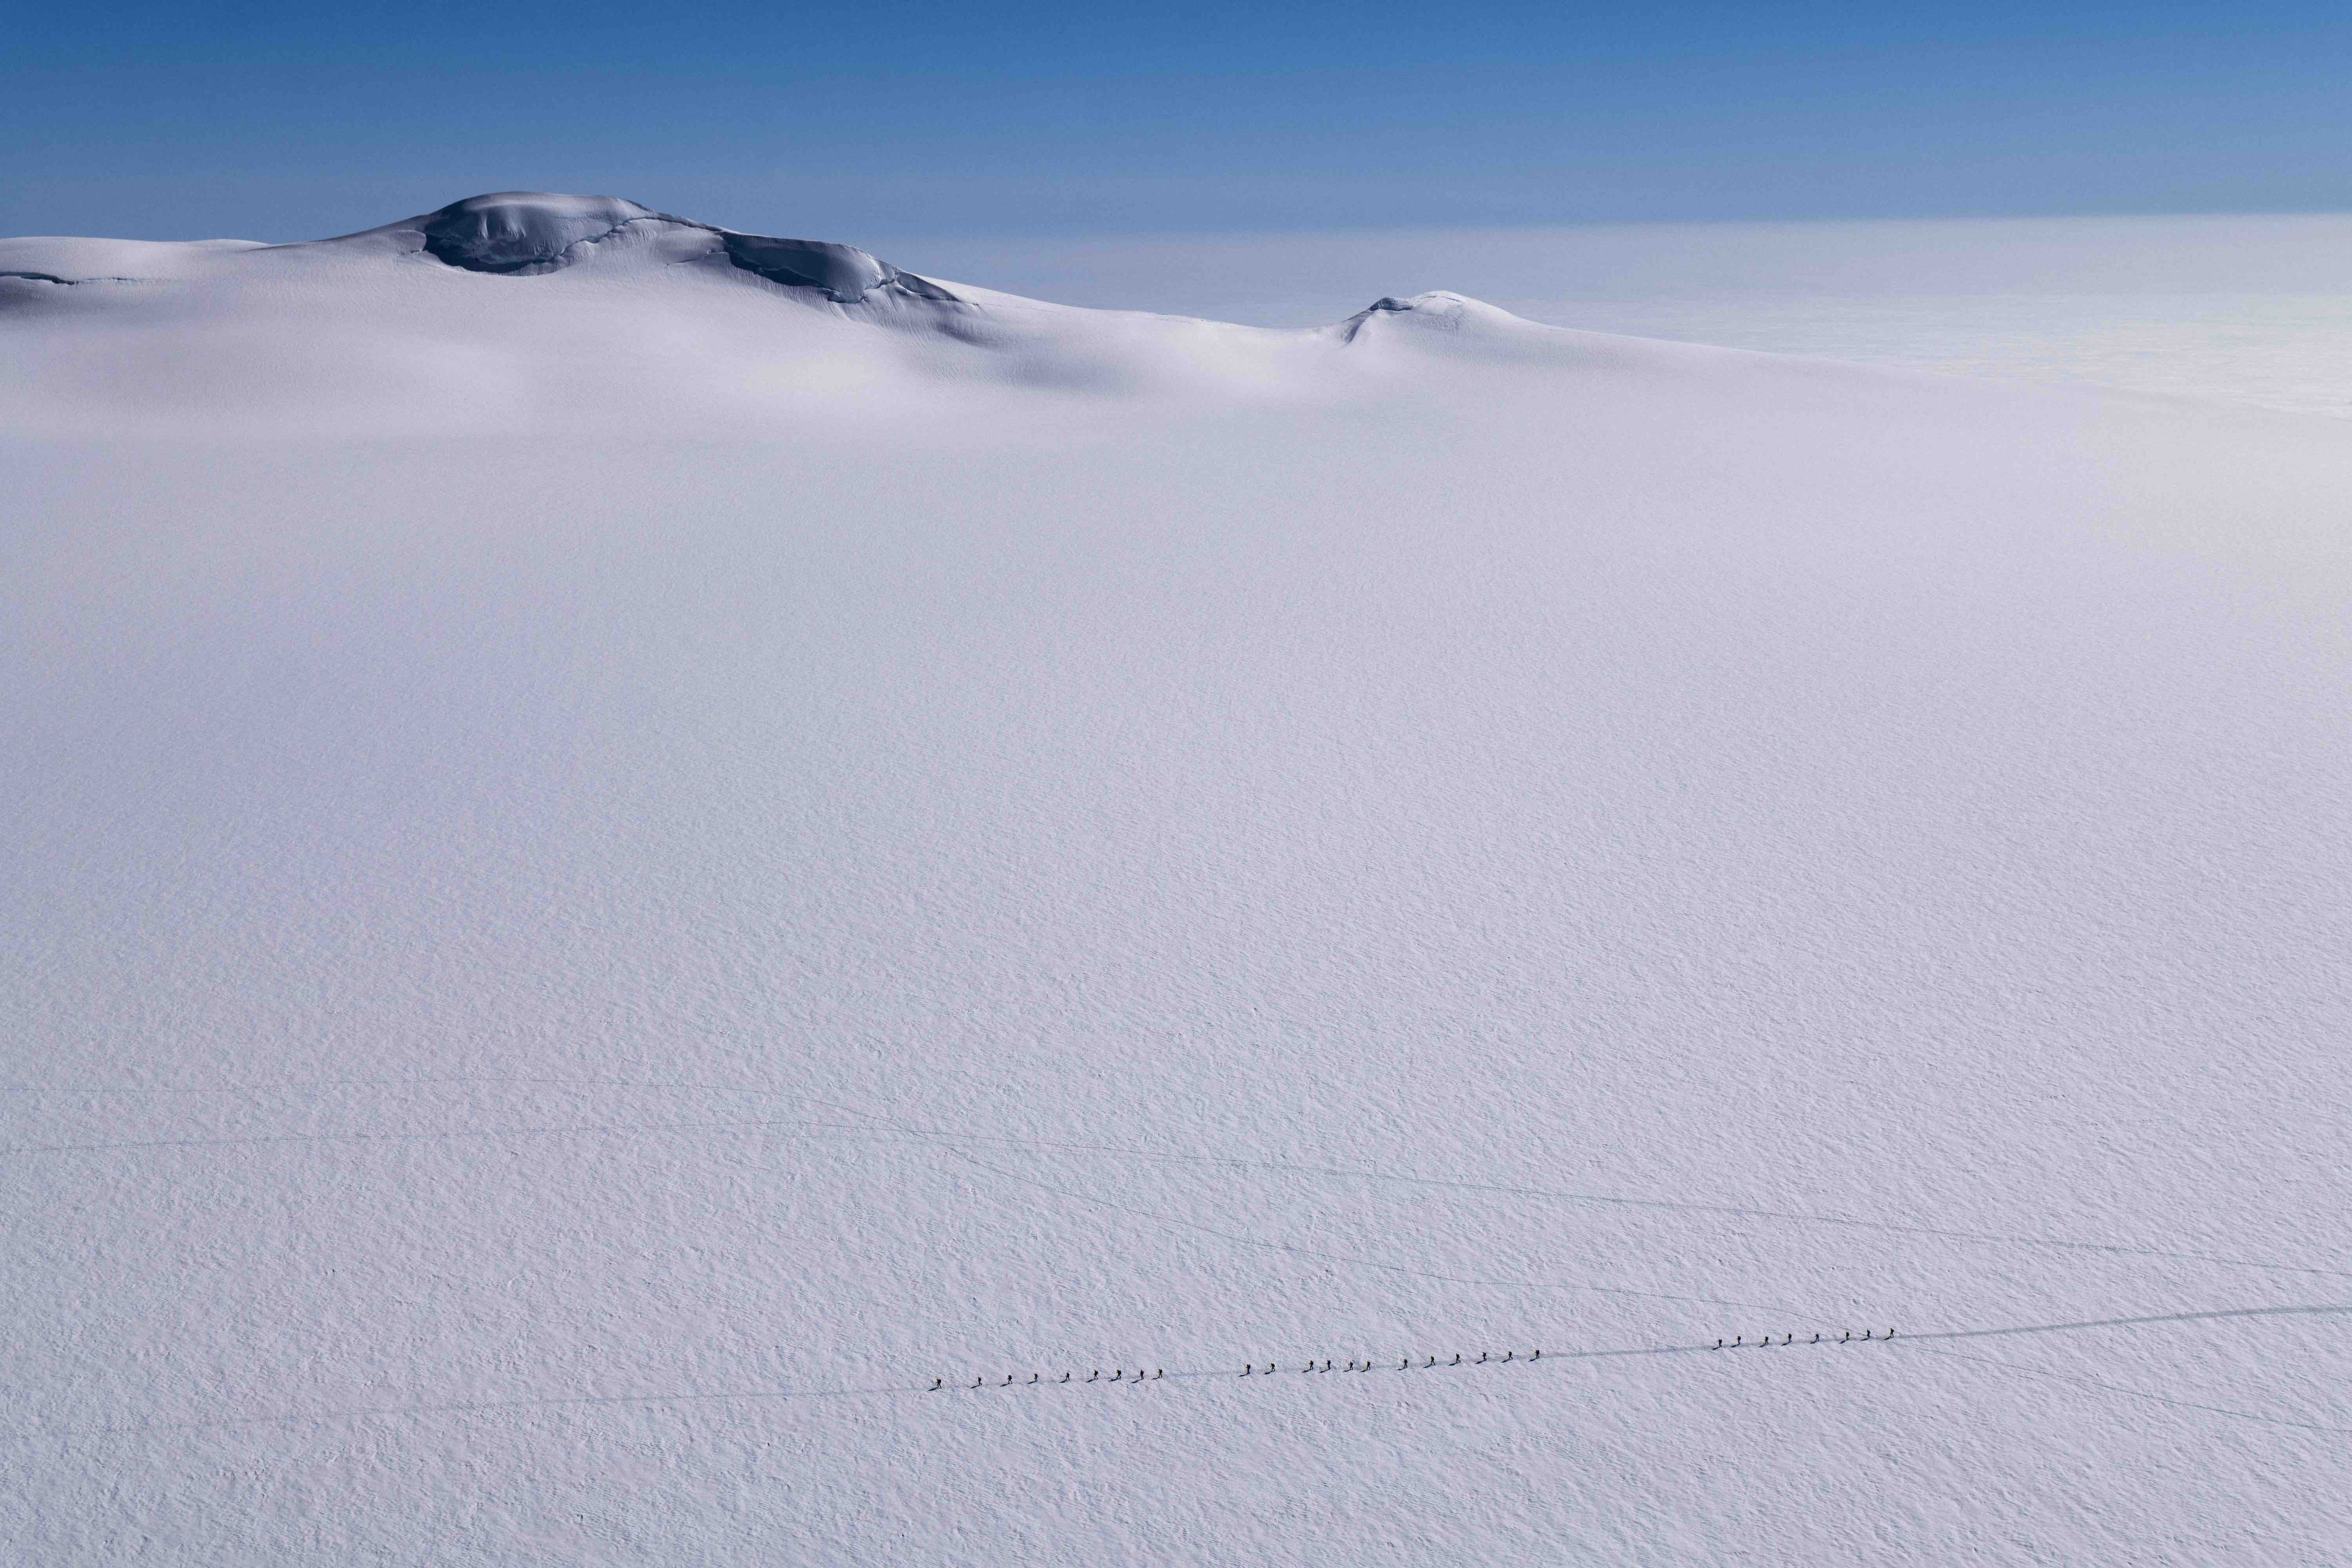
x,y
619,859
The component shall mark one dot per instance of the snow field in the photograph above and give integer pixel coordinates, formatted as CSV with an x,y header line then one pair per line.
x,y
565,896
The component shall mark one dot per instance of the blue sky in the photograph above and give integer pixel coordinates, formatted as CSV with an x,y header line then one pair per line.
x,y
275,121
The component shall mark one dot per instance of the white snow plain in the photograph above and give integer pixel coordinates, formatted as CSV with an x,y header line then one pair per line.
x,y
617,865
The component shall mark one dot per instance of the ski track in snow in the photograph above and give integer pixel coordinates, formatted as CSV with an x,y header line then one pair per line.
x,y
893,1128
934,1137
1890,1342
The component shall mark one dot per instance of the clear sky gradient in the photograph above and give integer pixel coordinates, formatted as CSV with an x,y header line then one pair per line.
x,y
278,120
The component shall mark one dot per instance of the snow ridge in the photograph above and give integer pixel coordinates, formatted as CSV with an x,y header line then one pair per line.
x,y
523,234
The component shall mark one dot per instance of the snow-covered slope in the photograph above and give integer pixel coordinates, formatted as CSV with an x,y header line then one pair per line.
x,y
524,312
620,859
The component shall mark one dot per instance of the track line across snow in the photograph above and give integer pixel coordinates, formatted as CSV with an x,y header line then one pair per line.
x,y
1231,1374
878,1125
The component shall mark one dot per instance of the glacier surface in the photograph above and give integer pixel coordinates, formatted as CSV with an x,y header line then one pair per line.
x,y
622,860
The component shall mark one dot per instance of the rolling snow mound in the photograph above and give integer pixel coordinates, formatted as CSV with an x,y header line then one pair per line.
x,y
523,309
